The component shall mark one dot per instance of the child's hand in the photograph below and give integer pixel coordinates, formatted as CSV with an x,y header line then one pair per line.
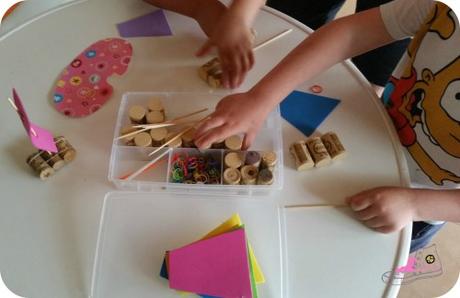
x,y
384,209
234,114
232,37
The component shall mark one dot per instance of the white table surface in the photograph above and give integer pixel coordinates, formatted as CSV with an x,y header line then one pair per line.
x,y
48,230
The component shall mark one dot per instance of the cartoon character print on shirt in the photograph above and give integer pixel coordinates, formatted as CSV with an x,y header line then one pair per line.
x,y
411,101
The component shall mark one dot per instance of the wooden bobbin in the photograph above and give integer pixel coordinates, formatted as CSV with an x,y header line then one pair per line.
x,y
232,176
156,104
303,159
39,165
269,160
154,117
333,145
252,158
249,175
53,160
137,114
66,151
218,145
158,136
129,141
176,143
233,143
209,67
233,160
188,138
215,80
318,152
143,139
265,177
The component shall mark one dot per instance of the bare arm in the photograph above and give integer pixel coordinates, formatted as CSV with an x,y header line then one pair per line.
x,y
437,205
335,42
339,40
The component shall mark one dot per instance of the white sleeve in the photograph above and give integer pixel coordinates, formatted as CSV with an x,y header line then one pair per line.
x,y
403,18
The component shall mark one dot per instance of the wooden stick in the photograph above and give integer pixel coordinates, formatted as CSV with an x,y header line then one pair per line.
x,y
272,39
12,104
316,206
178,135
163,124
148,168
149,164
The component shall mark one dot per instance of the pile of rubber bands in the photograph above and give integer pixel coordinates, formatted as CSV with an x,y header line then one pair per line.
x,y
195,169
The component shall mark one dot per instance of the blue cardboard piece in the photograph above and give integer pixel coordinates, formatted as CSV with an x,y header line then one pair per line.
x,y
306,111
151,24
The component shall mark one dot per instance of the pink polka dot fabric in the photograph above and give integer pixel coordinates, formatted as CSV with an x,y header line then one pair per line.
x,y
82,88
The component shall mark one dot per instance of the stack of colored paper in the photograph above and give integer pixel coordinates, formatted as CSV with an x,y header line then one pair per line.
x,y
221,264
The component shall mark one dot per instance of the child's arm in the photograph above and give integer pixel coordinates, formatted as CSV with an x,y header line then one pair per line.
x,y
389,209
329,45
233,38
229,30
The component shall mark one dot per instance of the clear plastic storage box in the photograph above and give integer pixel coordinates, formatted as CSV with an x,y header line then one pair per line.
x,y
127,159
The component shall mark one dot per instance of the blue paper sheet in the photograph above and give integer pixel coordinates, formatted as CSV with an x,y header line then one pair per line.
x,y
151,24
306,111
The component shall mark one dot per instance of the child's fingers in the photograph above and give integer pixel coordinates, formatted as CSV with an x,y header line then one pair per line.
x,y
248,139
376,222
205,48
218,133
359,202
366,214
212,122
385,229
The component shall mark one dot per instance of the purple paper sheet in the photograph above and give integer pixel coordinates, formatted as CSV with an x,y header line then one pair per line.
x,y
151,24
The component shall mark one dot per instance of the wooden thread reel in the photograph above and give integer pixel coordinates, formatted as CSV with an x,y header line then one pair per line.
x,y
333,145
177,141
154,117
303,159
318,152
249,175
137,114
232,176
233,160
45,164
156,104
265,177
253,158
129,141
158,136
233,143
269,160
188,138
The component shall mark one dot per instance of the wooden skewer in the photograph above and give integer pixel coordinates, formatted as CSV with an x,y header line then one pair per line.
x,y
316,206
272,39
148,168
12,104
164,124
178,135
17,110
149,164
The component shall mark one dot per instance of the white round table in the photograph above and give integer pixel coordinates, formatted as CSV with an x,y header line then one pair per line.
x,y
49,229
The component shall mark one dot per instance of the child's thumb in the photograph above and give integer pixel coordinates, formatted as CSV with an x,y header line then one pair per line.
x,y
204,49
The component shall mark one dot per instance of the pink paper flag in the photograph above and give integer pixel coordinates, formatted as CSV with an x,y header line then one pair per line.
x,y
40,137
216,266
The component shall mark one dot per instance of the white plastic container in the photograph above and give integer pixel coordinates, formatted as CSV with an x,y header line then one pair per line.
x,y
127,159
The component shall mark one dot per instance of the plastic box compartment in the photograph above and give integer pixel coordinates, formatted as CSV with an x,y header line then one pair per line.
x,y
127,159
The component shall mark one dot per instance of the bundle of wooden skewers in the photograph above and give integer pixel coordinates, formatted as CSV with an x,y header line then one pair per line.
x,y
149,129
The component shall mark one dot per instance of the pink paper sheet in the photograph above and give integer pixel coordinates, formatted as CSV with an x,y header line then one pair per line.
x,y
217,266
40,137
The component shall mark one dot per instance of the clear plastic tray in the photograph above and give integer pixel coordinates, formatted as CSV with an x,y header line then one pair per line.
x,y
127,159
135,231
